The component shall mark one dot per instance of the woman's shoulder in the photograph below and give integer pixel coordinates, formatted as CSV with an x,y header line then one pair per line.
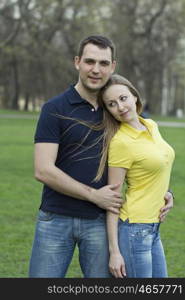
x,y
150,122
119,139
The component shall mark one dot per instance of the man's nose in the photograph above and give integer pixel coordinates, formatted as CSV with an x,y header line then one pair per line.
x,y
96,68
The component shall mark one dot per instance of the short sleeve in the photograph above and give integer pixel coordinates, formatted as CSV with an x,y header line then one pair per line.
x,y
48,128
119,154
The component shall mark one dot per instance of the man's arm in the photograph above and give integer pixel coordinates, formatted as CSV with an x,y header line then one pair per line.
x,y
168,205
47,172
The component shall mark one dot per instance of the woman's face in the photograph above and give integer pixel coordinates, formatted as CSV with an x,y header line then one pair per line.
x,y
121,103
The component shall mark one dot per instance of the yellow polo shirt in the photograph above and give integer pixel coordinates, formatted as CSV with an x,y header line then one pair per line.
x,y
148,159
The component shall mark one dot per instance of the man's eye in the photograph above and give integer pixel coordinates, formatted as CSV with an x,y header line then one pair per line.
x,y
90,62
105,63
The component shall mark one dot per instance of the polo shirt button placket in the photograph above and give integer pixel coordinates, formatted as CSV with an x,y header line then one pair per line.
x,y
92,109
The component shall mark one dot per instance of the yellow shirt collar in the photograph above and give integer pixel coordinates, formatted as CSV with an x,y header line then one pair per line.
x,y
133,132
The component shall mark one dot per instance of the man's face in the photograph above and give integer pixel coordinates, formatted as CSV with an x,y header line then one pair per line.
x,y
95,67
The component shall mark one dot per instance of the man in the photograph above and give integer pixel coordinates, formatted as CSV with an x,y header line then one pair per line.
x,y
66,160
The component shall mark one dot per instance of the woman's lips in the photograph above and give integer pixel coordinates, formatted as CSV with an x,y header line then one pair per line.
x,y
123,113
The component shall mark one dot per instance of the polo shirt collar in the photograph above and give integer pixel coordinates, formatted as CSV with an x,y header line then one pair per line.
x,y
148,125
75,96
133,132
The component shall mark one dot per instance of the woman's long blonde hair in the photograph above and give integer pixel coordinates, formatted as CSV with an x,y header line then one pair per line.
x,y
109,123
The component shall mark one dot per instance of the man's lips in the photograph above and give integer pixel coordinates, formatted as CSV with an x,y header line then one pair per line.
x,y
94,78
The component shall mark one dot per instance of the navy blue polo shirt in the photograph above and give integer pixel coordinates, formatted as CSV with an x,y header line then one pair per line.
x,y
78,153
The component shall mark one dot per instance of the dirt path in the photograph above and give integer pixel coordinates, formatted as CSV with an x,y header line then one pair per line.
x,y
171,124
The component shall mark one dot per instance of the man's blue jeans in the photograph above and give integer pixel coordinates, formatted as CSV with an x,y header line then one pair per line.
x,y
142,249
55,239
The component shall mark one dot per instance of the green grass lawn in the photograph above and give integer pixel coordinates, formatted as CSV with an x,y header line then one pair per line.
x,y
17,112
20,199
167,118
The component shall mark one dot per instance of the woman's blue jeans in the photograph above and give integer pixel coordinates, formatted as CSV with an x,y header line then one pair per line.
x,y
55,239
142,249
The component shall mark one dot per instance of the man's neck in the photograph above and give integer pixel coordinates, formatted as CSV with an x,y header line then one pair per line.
x,y
90,96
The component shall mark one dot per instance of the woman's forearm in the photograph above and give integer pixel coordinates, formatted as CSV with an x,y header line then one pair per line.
x,y
112,230
114,175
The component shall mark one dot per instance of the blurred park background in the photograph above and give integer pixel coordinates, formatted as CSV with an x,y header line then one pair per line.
x,y
38,41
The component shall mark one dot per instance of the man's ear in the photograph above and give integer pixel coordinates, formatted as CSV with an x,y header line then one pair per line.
x,y
113,66
76,62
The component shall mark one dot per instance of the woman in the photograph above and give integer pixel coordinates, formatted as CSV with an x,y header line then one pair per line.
x,y
137,155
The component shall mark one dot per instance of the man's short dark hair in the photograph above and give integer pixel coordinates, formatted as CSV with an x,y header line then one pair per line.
x,y
98,40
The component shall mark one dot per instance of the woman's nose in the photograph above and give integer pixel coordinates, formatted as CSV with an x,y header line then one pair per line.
x,y
120,106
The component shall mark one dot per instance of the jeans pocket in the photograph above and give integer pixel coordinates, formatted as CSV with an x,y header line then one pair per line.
x,y
142,230
45,215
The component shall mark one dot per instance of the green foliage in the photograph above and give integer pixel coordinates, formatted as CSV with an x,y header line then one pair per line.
x,y
39,39
20,199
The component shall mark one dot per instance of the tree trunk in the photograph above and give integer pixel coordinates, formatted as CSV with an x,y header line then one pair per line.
x,y
15,99
26,102
164,100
